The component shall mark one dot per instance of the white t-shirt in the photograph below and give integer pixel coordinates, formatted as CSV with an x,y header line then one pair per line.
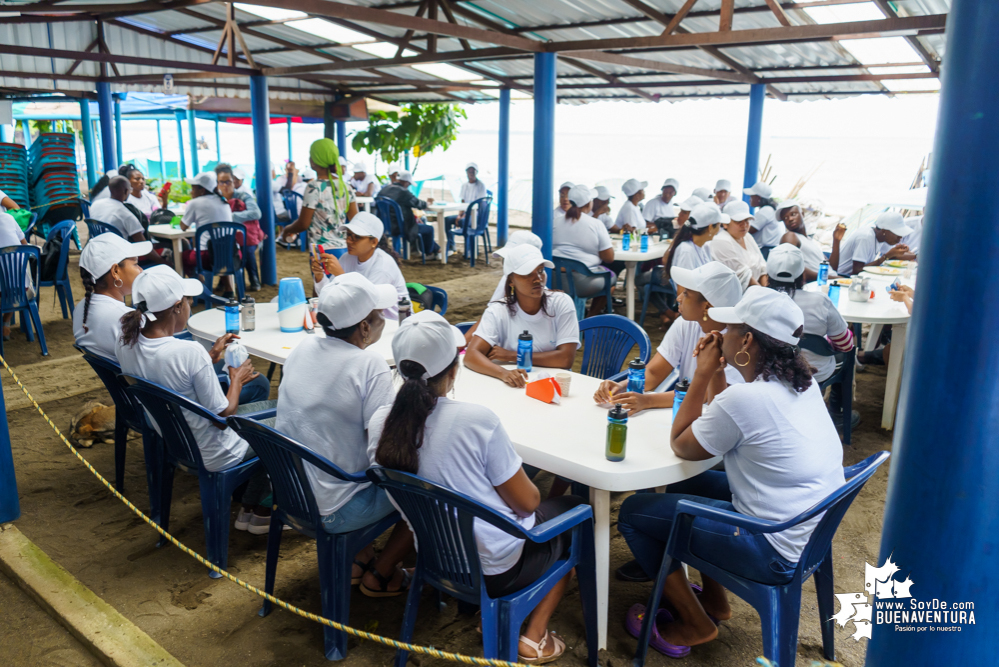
x,y
361,185
678,346
465,448
606,219
782,453
811,252
147,202
185,367
381,269
821,319
114,213
747,262
689,255
329,391
472,191
912,240
768,228
581,240
10,231
205,210
557,213
103,328
657,208
630,215
3,195
499,328
860,246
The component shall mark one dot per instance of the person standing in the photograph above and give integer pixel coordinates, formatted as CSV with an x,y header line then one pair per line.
x,y
328,203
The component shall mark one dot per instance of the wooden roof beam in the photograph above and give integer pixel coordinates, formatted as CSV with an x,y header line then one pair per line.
x,y
930,59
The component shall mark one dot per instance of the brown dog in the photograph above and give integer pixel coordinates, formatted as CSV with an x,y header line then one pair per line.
x,y
94,423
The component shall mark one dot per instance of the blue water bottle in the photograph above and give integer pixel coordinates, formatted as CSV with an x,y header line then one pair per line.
x,y
232,317
626,241
823,273
636,376
834,292
525,347
645,242
679,392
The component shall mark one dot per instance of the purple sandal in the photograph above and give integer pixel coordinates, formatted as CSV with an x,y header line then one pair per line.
x,y
633,624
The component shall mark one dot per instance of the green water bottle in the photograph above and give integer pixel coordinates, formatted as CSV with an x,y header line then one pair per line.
x,y
175,222
617,433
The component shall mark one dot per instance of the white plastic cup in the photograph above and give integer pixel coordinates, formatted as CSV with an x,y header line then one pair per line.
x,y
564,380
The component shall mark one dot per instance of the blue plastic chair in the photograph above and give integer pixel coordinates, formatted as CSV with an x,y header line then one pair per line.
x,y
85,207
440,299
14,264
95,228
295,505
656,286
478,211
448,560
180,451
779,606
389,210
463,327
843,377
64,230
225,256
569,266
607,342
32,223
292,201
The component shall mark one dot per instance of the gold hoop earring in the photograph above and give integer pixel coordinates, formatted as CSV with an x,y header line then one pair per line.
x,y
748,358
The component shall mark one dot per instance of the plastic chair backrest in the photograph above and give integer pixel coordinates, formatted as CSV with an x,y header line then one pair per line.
x,y
481,207
222,244
85,207
388,210
607,341
291,200
285,461
440,299
64,231
95,228
13,273
110,374
568,266
463,327
817,344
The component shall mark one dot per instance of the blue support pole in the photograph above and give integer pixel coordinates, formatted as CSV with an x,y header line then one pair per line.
x,y
261,115
193,138
218,142
6,134
289,139
117,130
10,507
544,149
503,168
159,145
26,132
757,94
180,115
87,125
341,137
106,109
406,158
941,522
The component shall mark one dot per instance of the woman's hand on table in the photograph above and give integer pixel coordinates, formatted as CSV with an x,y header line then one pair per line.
x,y
502,355
634,402
515,377
218,349
607,390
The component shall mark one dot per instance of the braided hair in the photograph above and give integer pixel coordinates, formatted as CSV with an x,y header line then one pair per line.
x,y
89,284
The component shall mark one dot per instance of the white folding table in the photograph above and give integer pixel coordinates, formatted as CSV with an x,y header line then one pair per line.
x,y
632,258
175,235
440,210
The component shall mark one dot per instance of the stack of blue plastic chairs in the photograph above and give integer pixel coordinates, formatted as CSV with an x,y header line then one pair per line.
x,y
55,185
14,173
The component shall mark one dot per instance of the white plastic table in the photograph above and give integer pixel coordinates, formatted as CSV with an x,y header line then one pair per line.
x,y
440,210
632,258
366,202
267,341
569,440
877,312
176,236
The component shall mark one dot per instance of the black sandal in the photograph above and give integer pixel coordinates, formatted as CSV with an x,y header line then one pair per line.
x,y
383,584
354,581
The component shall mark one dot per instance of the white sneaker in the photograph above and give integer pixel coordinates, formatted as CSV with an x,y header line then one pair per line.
x,y
243,519
259,525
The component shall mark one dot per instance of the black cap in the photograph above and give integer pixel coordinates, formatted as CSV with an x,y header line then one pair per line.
x,y
636,363
526,335
618,412
682,385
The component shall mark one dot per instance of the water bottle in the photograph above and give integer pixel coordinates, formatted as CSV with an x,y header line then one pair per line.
x,y
636,376
175,222
626,241
834,293
823,273
525,349
405,309
232,317
679,392
645,242
617,433
249,314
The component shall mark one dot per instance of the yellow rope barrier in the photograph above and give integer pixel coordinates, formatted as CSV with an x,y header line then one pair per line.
x,y
454,657
57,201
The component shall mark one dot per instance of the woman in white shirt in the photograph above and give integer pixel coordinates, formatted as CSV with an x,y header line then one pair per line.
x,y
766,228
363,256
464,447
206,206
340,365
789,213
659,210
581,237
735,248
139,196
781,452
550,318
108,266
690,247
629,218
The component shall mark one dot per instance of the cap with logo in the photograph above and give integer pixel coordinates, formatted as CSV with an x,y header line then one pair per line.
x,y
633,185
350,297
785,263
524,260
104,251
427,339
715,281
365,224
768,311
760,189
893,222
205,179
159,287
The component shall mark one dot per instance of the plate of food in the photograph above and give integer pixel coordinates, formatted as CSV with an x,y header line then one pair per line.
x,y
883,271
844,282
898,263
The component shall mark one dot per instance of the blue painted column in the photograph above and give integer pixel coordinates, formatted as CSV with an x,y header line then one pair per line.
x,y
106,108
218,142
193,138
757,94
289,138
26,132
406,159
341,137
941,523
159,146
117,130
180,115
87,127
6,134
10,507
544,149
261,117
503,169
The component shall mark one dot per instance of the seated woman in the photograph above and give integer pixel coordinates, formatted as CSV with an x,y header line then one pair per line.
x,y
139,196
464,447
365,257
350,313
690,248
328,203
529,306
735,248
789,213
579,236
207,205
245,211
147,349
781,455
108,266
766,228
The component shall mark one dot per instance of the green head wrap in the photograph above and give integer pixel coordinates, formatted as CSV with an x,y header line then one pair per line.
x,y
324,154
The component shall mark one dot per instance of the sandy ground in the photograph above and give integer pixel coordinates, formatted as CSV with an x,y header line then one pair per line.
x,y
210,622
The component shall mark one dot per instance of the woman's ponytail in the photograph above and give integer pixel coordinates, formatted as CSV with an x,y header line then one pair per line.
x,y
573,213
685,233
131,324
88,285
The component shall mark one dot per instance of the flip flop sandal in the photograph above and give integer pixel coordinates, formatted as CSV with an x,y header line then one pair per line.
x,y
383,583
354,581
633,624
539,657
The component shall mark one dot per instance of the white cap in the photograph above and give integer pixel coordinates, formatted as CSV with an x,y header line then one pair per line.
x,y
690,203
603,193
566,186
360,167
785,263
519,237
580,195
759,188
724,218
786,204
308,173
703,215
104,251
405,176
350,297
715,281
633,185
393,169
472,165
427,339
205,179
723,184
159,287
238,173
703,194
766,310
892,222
738,210
524,260
365,224
672,183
